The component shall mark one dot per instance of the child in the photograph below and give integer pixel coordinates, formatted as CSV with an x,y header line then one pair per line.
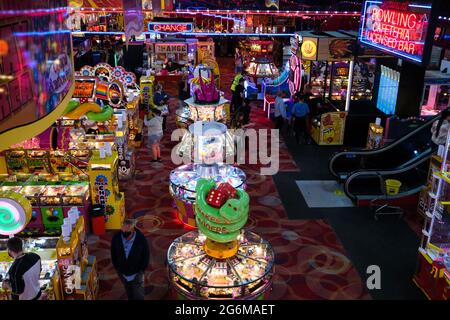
x,y
155,133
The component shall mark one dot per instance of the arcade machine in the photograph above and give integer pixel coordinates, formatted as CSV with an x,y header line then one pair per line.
x,y
104,184
206,102
433,270
220,260
209,143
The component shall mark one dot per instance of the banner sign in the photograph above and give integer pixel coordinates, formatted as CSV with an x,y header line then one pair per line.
x,y
398,28
171,48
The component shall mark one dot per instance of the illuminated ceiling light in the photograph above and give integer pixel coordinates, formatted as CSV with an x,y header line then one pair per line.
x,y
6,77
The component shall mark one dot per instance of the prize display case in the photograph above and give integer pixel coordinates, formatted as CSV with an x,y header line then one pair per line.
x,y
329,79
375,135
196,275
258,70
208,144
51,202
427,195
329,128
339,80
201,112
78,270
433,266
37,161
49,280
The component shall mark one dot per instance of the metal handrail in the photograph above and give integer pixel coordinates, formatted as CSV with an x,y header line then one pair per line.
x,y
379,150
379,173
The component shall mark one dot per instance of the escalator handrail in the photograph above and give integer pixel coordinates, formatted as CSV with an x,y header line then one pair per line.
x,y
381,173
382,149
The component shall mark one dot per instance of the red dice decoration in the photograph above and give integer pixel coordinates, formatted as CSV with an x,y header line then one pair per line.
x,y
227,189
216,199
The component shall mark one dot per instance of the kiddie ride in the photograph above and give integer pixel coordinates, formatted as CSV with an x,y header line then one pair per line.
x,y
220,260
206,102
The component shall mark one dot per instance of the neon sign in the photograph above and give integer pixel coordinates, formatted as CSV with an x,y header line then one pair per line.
x,y
397,28
169,27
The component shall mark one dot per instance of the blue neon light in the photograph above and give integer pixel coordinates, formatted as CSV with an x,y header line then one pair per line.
x,y
40,33
193,34
388,90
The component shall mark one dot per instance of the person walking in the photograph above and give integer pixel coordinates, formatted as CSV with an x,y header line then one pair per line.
x,y
440,128
24,273
279,111
155,133
183,91
237,99
300,111
130,257
238,61
161,101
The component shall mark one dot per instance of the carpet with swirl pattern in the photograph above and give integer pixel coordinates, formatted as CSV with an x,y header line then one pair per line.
x,y
310,262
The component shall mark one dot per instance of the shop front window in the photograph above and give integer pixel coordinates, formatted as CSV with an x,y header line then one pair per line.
x,y
435,99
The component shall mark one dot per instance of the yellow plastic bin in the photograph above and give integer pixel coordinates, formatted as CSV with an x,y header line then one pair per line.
x,y
393,186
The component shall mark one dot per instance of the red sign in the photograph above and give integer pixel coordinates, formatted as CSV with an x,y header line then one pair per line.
x,y
166,27
399,28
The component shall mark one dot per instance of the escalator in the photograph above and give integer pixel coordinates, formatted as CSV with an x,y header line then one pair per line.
x,y
371,184
406,159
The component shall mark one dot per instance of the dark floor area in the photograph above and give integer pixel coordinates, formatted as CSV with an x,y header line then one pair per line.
x,y
388,243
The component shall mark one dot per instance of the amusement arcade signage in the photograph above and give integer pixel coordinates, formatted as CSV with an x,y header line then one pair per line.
x,y
169,27
399,28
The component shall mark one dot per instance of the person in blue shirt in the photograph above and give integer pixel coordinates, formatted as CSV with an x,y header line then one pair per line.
x,y
300,111
279,111
161,101
160,97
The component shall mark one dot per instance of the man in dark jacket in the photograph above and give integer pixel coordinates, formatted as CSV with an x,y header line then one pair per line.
x,y
130,257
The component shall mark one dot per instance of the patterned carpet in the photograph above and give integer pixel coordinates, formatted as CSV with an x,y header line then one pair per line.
x,y
310,262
